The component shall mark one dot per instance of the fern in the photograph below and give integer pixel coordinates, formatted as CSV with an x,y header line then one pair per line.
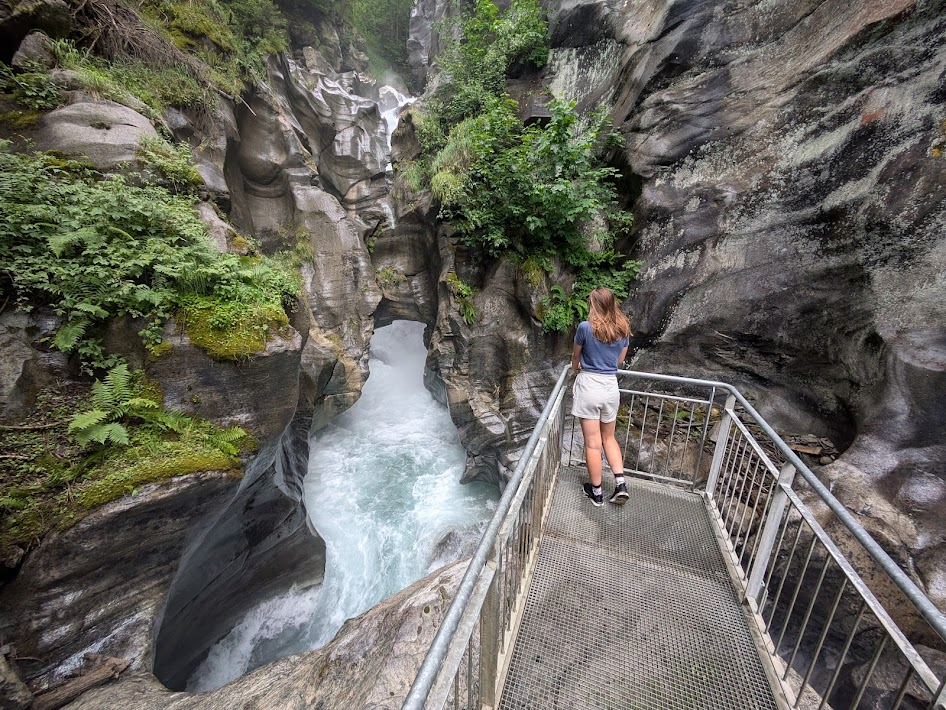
x,y
86,420
115,399
225,439
69,335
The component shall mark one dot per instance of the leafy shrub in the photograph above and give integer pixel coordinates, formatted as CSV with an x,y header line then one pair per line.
x,y
34,89
463,295
174,164
116,250
478,49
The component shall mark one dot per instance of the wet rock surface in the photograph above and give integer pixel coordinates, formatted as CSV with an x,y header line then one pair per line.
x,y
99,584
371,663
787,175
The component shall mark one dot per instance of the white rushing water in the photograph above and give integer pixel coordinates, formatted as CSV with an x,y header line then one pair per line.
x,y
383,491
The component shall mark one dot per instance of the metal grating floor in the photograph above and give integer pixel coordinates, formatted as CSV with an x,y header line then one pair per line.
x,y
632,607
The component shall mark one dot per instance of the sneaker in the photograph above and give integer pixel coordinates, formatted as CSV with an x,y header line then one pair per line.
x,y
620,496
598,500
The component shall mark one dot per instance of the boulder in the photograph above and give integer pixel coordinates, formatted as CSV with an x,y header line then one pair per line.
x,y
25,369
105,132
18,18
257,393
34,52
256,547
13,692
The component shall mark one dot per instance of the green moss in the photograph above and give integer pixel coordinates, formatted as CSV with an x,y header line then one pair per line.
x,y
388,277
20,120
240,245
54,482
535,270
230,331
159,349
162,465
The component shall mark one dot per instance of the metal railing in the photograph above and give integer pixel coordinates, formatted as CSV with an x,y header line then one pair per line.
x,y
830,641
464,667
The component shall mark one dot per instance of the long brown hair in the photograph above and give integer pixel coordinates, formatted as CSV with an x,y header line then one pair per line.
x,y
608,324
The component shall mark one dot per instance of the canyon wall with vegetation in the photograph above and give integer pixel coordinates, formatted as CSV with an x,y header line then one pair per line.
x,y
784,166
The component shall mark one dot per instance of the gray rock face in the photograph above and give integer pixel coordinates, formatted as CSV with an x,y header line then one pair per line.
x,y
34,51
257,547
790,208
256,394
24,370
371,663
13,692
99,585
104,131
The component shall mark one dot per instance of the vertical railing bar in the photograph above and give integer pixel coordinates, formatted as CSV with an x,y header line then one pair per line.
x,y
903,687
640,442
743,468
783,526
811,606
571,443
769,495
734,480
937,701
775,525
705,434
791,604
469,673
824,635
719,451
673,433
757,487
788,562
630,418
725,480
870,672
654,469
745,505
686,447
840,662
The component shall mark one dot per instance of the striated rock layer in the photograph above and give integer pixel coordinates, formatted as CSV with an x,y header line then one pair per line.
x,y
371,663
791,212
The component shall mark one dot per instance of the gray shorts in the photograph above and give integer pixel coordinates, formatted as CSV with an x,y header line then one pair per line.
x,y
595,396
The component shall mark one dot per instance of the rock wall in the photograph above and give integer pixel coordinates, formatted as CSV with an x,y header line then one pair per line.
x,y
99,585
370,663
791,215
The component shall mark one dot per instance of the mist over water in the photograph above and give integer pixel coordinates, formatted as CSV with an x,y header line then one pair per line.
x,y
383,492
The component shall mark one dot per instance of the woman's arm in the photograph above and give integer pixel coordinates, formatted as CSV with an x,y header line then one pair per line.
x,y
621,358
576,357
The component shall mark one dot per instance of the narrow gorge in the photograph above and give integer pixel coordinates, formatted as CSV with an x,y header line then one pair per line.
x,y
785,165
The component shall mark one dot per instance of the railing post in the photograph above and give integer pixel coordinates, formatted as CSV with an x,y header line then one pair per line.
x,y
769,532
722,438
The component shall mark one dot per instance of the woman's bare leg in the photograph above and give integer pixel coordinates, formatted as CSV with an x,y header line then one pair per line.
x,y
591,430
612,449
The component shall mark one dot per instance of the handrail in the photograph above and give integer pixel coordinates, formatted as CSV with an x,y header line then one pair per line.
x,y
933,616
428,671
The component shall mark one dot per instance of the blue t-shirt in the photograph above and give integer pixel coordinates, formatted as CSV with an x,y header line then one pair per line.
x,y
595,355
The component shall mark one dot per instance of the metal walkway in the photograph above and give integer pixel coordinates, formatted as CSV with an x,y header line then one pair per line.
x,y
633,607
731,597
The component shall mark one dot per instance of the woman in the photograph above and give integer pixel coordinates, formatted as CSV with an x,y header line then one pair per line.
x,y
600,345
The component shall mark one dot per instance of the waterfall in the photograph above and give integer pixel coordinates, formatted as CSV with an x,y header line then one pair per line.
x,y
383,492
